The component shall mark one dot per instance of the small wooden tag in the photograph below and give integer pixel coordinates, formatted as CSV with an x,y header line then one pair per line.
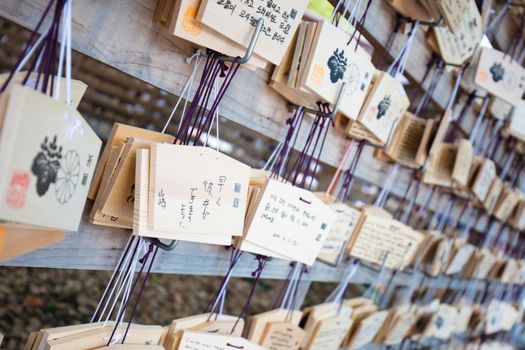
x,y
331,62
457,48
192,340
237,22
290,221
386,103
410,141
367,330
375,235
340,234
209,196
281,335
500,75
481,185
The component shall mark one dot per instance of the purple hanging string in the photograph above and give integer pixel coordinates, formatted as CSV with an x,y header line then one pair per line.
x,y
142,287
224,87
112,279
519,168
48,68
403,200
388,45
423,210
343,193
360,25
27,46
261,263
234,259
430,65
453,132
143,263
416,195
329,122
436,78
285,284
294,125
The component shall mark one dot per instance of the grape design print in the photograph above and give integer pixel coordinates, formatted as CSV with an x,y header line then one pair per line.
x,y
497,71
337,65
52,166
46,164
383,106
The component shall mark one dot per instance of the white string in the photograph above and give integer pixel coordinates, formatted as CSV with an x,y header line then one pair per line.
x,y
185,91
65,50
273,157
129,278
353,14
125,283
286,300
117,282
507,165
341,288
294,138
383,195
397,68
492,24
119,263
336,8
68,54
479,118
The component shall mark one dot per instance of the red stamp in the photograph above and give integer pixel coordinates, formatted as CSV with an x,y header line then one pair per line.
x,y
16,195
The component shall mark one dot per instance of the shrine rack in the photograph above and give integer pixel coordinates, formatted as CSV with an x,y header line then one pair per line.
x,y
99,34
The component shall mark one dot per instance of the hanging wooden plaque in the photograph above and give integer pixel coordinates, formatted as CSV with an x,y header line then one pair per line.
x,y
410,142
376,235
500,75
516,126
237,20
457,48
183,23
119,134
209,196
386,103
192,340
367,330
333,248
290,221
142,225
47,157
333,62
282,335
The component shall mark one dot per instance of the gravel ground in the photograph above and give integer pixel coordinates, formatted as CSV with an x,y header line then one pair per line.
x,y
31,298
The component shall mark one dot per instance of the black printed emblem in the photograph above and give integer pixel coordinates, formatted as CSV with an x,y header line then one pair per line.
x,y
497,71
46,164
383,106
337,64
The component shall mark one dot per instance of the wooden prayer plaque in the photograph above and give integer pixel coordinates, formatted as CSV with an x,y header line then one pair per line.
x,y
185,25
290,221
47,157
457,48
119,134
386,103
209,196
410,142
282,335
237,21
500,75
333,248
331,62
375,235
